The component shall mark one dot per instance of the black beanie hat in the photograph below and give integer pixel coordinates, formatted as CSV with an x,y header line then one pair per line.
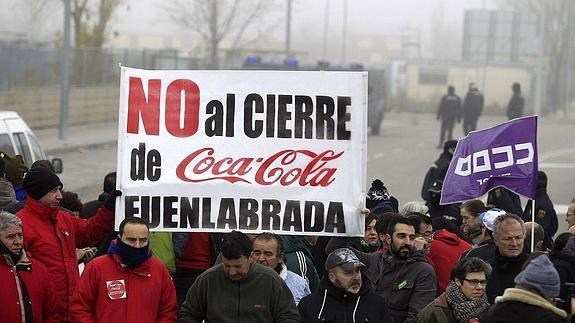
x,y
39,181
376,194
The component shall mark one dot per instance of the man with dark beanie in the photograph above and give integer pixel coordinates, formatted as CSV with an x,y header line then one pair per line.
x,y
52,234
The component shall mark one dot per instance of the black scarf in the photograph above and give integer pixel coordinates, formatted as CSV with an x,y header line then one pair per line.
x,y
132,257
5,251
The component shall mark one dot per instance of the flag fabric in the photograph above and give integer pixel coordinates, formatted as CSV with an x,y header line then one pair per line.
x,y
504,155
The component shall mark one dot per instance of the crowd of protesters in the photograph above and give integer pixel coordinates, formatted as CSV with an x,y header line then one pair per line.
x,y
419,261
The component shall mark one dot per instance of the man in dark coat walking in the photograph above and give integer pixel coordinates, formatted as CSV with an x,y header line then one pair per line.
x,y
342,295
516,103
449,111
472,107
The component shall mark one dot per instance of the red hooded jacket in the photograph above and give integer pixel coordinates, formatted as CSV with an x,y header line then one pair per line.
x,y
51,237
445,251
38,284
110,292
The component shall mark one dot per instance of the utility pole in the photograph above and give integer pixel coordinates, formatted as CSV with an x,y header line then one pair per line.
x,y
65,74
569,67
540,81
325,25
344,42
288,31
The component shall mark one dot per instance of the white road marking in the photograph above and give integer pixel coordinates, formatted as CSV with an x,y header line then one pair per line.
x,y
557,165
552,154
378,155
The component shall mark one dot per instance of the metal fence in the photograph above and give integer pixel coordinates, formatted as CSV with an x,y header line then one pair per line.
x,y
25,65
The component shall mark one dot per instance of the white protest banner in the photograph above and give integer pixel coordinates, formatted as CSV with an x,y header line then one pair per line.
x,y
255,151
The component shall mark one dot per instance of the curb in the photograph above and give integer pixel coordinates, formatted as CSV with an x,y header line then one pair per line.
x,y
65,149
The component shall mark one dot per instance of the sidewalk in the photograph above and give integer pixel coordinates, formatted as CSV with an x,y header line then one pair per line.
x,y
78,137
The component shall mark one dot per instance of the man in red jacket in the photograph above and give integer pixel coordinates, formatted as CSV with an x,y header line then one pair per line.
x,y
26,288
52,235
446,249
128,284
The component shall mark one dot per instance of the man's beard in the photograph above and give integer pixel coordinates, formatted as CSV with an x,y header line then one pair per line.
x,y
352,289
403,252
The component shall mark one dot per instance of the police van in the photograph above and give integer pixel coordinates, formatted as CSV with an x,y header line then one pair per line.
x,y
16,138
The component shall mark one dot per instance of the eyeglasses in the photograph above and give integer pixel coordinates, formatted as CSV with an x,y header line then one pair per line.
x,y
475,282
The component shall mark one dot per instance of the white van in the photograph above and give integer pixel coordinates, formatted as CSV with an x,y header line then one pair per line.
x,y
16,138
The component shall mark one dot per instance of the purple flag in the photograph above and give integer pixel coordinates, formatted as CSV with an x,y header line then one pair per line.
x,y
503,155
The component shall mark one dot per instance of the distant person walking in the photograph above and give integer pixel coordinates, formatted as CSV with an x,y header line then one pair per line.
x,y
449,111
516,103
472,108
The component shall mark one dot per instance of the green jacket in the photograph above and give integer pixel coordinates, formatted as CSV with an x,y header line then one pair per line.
x,y
437,311
163,248
298,259
261,296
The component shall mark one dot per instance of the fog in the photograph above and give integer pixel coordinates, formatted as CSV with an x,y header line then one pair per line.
x,y
41,21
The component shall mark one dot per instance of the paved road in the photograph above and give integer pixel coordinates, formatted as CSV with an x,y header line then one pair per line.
x,y
406,149
84,169
400,157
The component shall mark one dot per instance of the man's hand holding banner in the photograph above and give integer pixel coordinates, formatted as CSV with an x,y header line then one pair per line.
x,y
215,151
503,155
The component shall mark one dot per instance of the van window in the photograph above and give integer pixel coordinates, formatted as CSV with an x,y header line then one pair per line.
x,y
22,145
6,144
36,149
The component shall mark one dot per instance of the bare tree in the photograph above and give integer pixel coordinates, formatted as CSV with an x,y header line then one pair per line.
x,y
558,16
91,21
217,21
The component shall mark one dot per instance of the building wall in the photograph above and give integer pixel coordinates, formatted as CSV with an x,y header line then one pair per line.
x,y
426,83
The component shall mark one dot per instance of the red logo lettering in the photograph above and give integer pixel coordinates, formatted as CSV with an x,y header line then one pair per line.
x,y
281,167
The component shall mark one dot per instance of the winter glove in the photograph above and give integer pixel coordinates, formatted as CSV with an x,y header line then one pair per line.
x,y
110,202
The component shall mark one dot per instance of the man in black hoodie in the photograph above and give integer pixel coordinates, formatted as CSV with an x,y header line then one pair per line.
x,y
342,296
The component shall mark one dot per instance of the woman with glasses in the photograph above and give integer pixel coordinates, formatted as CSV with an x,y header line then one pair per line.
x,y
464,299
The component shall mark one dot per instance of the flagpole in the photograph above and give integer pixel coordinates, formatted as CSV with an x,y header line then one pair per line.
x,y
532,225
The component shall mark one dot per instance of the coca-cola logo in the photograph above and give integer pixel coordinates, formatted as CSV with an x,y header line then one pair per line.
x,y
286,167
